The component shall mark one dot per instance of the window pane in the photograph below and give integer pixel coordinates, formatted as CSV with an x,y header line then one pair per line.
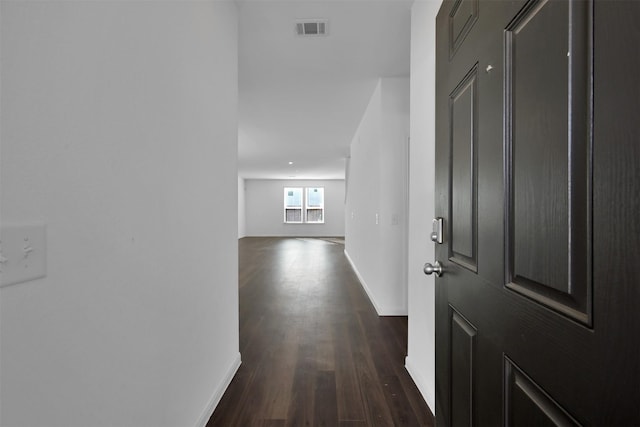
x,y
315,197
293,197
293,215
314,215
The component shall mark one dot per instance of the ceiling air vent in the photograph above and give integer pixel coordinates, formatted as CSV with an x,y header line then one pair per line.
x,y
312,27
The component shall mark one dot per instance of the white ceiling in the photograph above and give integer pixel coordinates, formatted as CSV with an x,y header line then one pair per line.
x,y
301,99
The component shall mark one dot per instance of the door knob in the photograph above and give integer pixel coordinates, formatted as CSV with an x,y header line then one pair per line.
x,y
436,267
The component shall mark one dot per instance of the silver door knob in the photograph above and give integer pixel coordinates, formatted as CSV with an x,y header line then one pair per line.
x,y
436,267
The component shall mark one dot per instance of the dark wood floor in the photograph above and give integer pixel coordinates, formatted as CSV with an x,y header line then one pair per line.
x,y
314,352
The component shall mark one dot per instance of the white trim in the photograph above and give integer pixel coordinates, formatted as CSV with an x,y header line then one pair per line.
x,y
219,392
381,311
423,385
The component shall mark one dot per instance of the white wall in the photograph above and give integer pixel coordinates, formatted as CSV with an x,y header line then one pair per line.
x,y
420,361
264,208
376,210
242,216
119,130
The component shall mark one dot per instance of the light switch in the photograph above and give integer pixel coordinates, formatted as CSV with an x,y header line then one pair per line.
x,y
22,252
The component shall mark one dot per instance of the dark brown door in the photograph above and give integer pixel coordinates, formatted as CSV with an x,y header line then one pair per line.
x,y
538,183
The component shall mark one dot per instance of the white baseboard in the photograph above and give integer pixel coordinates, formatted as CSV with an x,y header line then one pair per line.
x,y
394,311
219,392
427,392
363,283
381,311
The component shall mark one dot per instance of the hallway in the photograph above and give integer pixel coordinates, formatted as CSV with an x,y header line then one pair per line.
x,y
314,351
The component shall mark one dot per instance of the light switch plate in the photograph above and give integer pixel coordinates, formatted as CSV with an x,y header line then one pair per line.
x,y
23,253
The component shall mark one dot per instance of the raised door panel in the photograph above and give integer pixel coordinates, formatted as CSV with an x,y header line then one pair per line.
x,y
463,116
463,343
527,404
461,19
549,166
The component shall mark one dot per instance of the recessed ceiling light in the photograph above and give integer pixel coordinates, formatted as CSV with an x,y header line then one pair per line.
x,y
290,163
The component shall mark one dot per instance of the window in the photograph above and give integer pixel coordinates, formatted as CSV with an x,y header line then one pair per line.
x,y
304,205
293,205
315,205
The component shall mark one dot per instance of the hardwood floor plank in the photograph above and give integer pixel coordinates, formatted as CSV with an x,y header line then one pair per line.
x,y
376,409
401,411
236,399
302,407
326,355
325,408
350,405
282,366
314,351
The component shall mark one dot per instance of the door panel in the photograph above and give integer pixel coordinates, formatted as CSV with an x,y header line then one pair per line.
x,y
463,336
526,404
462,17
537,179
539,121
463,118
548,112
